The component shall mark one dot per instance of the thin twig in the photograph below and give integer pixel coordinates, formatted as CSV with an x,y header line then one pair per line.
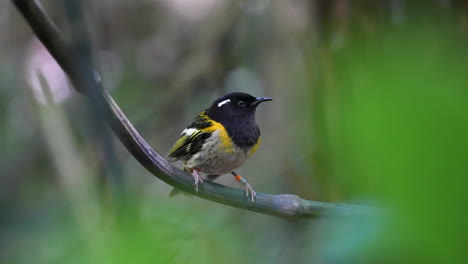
x,y
286,206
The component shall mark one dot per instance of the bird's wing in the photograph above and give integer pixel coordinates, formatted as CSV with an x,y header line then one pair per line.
x,y
192,138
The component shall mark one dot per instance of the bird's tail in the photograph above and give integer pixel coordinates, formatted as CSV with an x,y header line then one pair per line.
x,y
175,192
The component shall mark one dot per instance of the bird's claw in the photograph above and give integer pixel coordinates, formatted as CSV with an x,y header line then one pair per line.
x,y
250,192
197,180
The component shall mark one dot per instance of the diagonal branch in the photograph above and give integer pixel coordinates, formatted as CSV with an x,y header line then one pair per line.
x,y
286,206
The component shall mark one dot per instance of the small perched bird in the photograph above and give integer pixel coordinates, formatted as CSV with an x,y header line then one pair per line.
x,y
221,139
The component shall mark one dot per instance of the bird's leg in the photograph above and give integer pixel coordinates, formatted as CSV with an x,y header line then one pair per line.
x,y
248,189
198,179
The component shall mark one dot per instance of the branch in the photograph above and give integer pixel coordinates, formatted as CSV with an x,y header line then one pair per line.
x,y
286,206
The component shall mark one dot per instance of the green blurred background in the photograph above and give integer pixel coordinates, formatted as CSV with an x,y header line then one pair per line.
x,y
370,108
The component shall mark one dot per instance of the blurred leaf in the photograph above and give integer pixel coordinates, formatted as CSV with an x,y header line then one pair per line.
x,y
398,123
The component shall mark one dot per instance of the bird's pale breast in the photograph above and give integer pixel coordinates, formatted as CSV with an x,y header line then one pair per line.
x,y
215,158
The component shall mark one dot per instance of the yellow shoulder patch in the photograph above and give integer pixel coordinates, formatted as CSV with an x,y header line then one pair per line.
x,y
226,141
255,147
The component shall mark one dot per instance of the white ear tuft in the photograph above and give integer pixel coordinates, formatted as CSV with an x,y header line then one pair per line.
x,y
224,102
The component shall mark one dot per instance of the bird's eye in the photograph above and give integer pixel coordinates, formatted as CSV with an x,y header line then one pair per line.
x,y
241,103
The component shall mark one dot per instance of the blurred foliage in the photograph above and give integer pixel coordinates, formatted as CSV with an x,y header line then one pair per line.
x,y
370,107
165,235
395,116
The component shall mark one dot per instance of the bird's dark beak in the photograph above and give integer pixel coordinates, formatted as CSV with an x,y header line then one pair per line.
x,y
258,100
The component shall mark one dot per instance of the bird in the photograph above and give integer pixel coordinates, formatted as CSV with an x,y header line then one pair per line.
x,y
220,140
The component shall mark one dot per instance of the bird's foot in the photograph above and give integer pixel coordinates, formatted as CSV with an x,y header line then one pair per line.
x,y
250,192
198,179
248,189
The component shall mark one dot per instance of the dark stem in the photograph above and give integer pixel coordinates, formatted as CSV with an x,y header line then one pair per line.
x,y
81,51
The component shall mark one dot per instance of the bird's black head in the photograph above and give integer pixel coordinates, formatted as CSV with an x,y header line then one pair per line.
x,y
235,106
